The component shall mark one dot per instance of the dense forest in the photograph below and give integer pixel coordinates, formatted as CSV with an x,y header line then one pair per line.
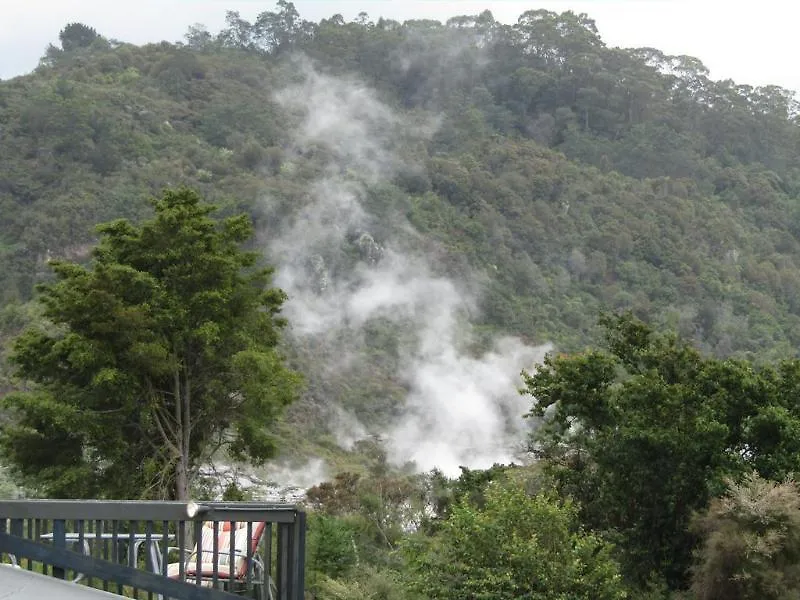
x,y
444,203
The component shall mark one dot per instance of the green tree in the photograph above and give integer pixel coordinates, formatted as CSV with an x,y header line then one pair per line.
x,y
751,543
199,38
160,353
331,551
280,31
380,506
77,35
643,433
516,546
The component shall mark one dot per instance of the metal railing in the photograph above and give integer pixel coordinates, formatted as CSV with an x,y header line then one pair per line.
x,y
160,549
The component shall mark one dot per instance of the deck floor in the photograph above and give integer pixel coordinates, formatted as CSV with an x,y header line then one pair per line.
x,y
19,584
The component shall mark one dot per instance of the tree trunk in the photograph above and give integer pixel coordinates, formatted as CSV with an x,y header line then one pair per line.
x,y
182,479
185,433
181,441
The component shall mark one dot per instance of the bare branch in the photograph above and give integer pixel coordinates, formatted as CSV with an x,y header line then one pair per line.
x,y
162,429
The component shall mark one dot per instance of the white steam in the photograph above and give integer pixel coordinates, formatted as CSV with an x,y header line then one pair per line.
x,y
463,410
460,409
327,104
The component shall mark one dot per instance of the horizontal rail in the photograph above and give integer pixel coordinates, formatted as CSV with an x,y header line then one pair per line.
x,y
144,510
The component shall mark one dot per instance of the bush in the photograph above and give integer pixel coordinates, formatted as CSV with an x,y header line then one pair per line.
x,y
751,543
517,546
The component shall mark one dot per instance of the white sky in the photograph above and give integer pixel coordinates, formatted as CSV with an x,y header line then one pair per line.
x,y
750,42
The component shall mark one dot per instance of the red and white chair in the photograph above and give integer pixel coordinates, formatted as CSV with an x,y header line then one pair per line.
x,y
245,556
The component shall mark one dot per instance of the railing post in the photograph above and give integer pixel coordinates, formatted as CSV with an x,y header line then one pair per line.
x,y
198,542
3,525
283,559
300,555
17,527
60,542
290,560
268,552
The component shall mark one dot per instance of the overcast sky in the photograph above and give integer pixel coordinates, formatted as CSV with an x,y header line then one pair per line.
x,y
750,42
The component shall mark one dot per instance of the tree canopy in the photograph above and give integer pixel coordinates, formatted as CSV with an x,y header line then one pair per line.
x,y
516,546
77,35
160,353
645,431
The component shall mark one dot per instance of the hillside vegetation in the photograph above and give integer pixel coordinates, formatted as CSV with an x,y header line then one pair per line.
x,y
550,176
575,177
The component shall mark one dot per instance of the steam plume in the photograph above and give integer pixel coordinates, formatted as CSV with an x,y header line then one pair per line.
x,y
459,409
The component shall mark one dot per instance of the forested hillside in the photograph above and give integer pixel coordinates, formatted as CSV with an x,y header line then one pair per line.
x,y
538,175
541,176
574,176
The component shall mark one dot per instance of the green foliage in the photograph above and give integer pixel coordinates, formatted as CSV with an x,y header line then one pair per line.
x,y
369,584
379,507
77,35
644,432
751,543
516,546
470,487
331,551
161,352
7,488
